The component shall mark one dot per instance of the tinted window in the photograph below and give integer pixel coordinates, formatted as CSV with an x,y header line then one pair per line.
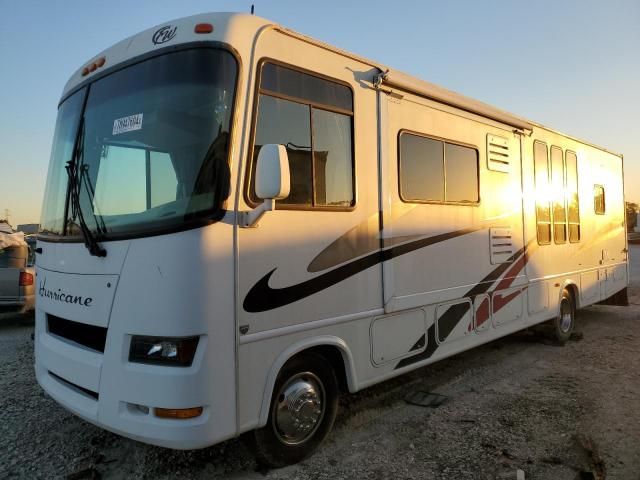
x,y
421,168
435,170
572,196
305,87
289,124
14,257
319,140
332,158
598,199
543,210
461,173
557,190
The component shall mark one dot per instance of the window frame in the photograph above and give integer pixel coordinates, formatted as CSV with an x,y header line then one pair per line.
x,y
249,177
604,199
444,169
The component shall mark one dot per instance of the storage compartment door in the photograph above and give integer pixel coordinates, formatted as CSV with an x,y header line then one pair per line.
x,y
394,337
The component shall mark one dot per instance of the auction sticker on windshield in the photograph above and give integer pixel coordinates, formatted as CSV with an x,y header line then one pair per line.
x,y
127,124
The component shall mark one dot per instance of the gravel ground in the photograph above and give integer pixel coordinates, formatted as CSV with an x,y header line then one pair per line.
x,y
555,413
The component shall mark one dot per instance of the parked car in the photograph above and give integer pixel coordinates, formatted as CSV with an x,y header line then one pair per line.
x,y
17,273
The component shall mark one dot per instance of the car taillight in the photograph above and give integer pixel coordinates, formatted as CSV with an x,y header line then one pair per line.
x,y
26,279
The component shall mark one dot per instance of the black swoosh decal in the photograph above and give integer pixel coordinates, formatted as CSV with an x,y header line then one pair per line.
x,y
452,317
262,297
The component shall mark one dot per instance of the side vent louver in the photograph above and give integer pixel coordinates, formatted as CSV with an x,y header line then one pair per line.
x,y
501,245
497,153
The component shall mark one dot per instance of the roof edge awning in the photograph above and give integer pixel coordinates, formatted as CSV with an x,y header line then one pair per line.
x,y
429,90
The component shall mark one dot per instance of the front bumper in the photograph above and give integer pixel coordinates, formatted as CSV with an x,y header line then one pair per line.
x,y
120,396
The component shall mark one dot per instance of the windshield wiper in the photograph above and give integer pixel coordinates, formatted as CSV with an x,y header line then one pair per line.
x,y
72,168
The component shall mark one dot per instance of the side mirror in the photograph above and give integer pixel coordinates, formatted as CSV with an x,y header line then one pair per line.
x,y
272,172
272,182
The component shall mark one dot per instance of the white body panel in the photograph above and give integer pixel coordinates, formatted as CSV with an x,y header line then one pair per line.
x,y
357,281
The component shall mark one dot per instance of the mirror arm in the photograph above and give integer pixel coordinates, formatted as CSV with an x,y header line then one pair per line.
x,y
251,218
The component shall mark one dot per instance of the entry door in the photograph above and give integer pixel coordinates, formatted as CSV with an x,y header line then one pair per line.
x,y
315,257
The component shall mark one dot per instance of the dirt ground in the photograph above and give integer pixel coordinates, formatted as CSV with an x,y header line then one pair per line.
x,y
519,403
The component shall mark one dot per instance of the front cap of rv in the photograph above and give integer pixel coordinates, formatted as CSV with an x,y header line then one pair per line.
x,y
142,341
234,30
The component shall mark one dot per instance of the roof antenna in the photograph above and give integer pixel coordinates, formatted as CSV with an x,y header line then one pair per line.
x,y
252,8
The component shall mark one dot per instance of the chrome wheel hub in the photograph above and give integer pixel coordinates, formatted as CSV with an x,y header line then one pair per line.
x,y
299,408
566,318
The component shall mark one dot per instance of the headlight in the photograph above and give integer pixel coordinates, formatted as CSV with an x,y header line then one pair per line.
x,y
177,352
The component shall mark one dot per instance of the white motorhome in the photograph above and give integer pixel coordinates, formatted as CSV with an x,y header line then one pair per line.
x,y
240,222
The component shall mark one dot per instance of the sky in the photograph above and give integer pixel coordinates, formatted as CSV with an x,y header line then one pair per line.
x,y
571,65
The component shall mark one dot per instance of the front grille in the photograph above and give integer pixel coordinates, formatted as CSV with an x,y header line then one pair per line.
x,y
89,336
73,386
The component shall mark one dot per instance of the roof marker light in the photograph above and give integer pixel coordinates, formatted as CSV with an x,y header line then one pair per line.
x,y
95,65
203,28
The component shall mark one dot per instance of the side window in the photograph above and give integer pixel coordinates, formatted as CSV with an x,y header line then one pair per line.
x,y
313,118
432,170
421,168
557,191
543,208
162,183
143,178
573,207
122,169
598,200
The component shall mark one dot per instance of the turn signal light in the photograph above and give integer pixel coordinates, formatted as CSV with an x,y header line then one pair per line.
x,y
203,28
26,279
178,413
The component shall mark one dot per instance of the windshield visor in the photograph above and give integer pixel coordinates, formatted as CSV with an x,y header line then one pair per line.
x,y
152,147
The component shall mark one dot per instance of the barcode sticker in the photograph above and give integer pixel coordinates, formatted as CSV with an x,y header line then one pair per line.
x,y
127,124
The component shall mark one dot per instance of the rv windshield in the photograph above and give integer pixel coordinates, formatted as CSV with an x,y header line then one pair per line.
x,y
151,147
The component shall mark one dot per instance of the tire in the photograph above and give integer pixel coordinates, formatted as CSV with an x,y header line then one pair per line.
x,y
564,323
310,378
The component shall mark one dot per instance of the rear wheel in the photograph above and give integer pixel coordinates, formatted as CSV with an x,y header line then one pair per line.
x,y
303,408
564,323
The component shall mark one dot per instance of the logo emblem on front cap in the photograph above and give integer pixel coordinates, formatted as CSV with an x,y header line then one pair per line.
x,y
164,34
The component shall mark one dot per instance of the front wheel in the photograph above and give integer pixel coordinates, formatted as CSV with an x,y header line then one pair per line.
x,y
565,321
303,408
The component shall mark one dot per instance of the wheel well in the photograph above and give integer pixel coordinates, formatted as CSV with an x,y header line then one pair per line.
x,y
333,355
573,290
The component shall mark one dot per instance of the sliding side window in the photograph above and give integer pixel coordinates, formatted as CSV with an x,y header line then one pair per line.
x,y
573,207
432,170
313,118
557,192
543,207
